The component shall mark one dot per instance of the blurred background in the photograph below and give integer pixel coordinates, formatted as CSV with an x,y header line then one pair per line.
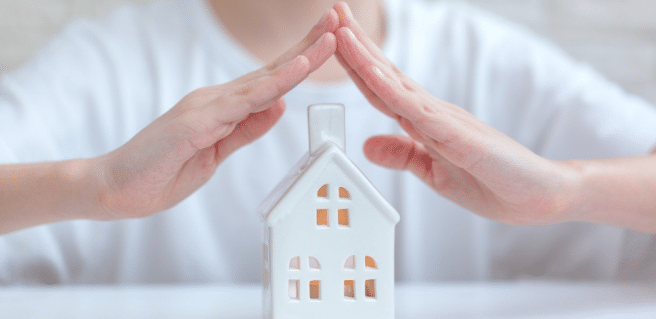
x,y
617,37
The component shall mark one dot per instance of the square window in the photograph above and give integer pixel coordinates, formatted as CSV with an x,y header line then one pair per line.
x,y
322,217
315,289
343,217
349,289
293,289
370,288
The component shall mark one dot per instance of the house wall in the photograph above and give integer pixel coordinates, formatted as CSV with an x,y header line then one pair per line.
x,y
616,37
298,235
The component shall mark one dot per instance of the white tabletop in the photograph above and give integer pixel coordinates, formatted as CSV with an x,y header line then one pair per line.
x,y
503,300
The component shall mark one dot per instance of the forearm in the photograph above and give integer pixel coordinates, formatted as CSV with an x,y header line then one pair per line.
x,y
41,193
620,192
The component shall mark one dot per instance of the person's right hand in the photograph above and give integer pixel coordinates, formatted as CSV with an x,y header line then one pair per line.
x,y
178,152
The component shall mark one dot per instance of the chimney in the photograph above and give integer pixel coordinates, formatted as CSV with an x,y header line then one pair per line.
x,y
326,124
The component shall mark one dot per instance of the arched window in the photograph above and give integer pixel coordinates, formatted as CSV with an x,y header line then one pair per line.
x,y
350,263
323,191
314,263
326,209
295,263
369,262
351,285
344,194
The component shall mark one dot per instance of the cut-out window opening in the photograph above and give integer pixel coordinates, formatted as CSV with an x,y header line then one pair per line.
x,y
322,217
295,263
370,262
323,191
265,277
314,263
350,262
343,217
349,289
344,194
315,289
293,289
370,288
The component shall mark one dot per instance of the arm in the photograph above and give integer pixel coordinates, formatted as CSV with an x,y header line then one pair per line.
x,y
170,158
616,192
483,170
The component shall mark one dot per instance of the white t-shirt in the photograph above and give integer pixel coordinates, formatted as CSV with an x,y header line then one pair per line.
x,y
99,83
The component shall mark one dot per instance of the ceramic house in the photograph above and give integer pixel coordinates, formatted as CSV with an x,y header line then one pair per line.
x,y
329,235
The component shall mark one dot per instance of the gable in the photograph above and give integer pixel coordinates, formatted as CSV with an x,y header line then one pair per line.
x,y
305,175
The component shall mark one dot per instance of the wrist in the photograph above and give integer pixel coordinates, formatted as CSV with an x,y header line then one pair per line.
x,y
616,192
577,205
84,180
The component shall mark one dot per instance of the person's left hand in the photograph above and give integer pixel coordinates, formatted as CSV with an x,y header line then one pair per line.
x,y
459,156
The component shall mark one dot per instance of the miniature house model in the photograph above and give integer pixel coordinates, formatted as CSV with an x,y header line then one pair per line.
x,y
329,234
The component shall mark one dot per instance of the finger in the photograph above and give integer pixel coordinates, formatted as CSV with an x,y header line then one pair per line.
x,y
362,86
399,152
347,20
399,93
327,24
250,129
204,161
374,74
259,91
218,118
450,181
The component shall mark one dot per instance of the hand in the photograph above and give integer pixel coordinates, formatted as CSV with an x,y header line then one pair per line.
x,y
179,151
459,156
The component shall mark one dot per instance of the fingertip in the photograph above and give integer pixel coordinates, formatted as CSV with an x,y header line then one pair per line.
x,y
374,148
332,22
299,64
331,41
343,11
279,107
321,50
303,62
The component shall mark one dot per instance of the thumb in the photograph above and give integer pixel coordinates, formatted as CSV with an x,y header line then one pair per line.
x,y
399,152
250,129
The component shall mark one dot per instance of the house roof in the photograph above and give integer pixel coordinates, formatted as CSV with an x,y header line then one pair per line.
x,y
307,171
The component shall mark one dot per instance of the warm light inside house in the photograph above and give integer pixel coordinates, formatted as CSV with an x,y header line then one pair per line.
x,y
343,193
349,288
315,289
323,191
322,217
370,288
369,262
343,217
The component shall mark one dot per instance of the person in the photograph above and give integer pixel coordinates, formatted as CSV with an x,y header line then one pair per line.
x,y
153,106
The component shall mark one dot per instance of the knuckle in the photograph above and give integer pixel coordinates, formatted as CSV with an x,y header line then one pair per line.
x,y
271,66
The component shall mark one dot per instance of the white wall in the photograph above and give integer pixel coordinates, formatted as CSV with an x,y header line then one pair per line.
x,y
618,37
